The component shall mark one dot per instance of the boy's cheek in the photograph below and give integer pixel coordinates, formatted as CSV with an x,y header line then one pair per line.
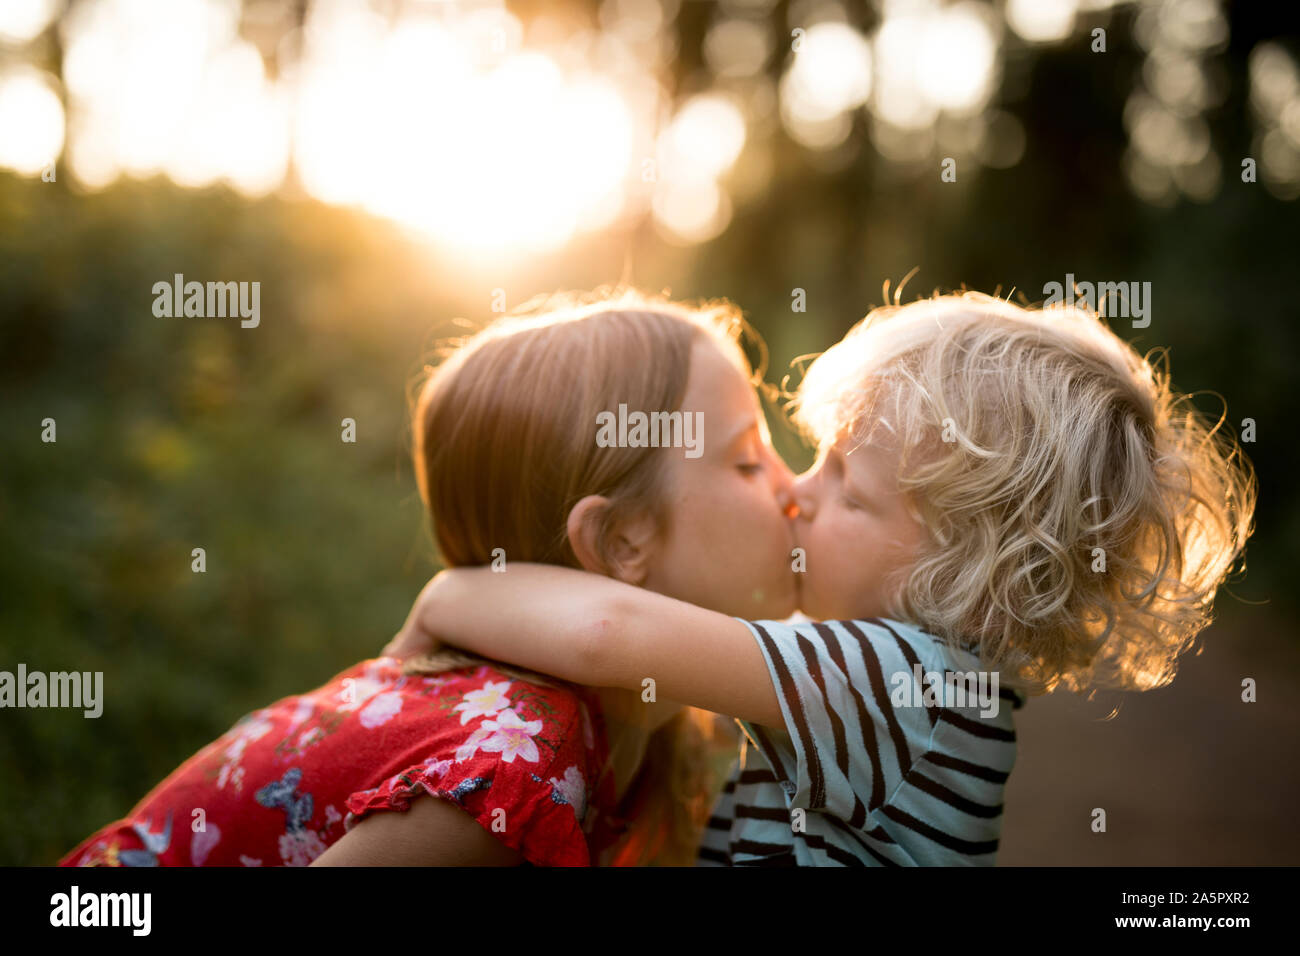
x,y
819,562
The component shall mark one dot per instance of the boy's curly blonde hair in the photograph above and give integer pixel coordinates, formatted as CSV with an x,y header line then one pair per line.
x,y
1081,514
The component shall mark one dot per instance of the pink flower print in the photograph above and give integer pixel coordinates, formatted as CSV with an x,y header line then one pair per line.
x,y
201,843
381,710
470,746
300,847
435,768
512,737
571,790
485,702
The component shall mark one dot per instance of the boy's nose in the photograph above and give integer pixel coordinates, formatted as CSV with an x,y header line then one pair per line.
x,y
804,501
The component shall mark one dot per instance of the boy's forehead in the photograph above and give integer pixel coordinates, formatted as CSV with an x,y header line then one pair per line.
x,y
866,427
866,459
855,446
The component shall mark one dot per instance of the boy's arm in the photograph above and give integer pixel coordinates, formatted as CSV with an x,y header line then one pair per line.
x,y
597,631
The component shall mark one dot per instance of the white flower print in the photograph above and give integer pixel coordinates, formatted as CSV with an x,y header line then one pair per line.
x,y
202,842
356,691
300,848
470,746
381,710
572,790
512,737
434,767
485,702
249,861
255,727
300,714
230,770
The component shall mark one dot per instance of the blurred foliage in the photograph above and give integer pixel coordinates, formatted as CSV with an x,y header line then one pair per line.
x,y
183,433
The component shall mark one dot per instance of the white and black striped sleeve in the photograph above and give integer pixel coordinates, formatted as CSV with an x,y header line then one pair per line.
x,y
851,745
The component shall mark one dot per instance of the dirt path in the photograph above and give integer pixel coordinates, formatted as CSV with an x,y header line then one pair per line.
x,y
1188,775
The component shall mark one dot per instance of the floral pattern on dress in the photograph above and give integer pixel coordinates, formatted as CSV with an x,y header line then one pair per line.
x,y
289,780
154,844
485,702
381,709
202,842
572,791
512,737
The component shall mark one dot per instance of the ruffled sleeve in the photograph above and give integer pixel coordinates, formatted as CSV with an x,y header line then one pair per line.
x,y
522,772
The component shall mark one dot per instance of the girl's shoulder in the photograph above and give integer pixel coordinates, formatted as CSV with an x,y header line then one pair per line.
x,y
373,689
523,758
289,779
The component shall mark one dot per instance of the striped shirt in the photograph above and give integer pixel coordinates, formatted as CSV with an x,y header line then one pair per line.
x,y
877,764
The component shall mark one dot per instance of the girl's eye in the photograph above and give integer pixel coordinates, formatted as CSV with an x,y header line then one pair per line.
x,y
851,504
750,468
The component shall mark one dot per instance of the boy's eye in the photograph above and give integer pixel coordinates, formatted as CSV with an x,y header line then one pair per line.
x,y
750,468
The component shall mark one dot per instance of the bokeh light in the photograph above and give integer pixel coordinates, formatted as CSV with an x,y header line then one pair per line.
x,y
23,20
490,135
31,118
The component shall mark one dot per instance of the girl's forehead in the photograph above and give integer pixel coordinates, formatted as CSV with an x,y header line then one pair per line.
x,y
711,365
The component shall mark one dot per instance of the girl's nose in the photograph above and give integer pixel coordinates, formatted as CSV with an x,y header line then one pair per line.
x,y
783,485
785,499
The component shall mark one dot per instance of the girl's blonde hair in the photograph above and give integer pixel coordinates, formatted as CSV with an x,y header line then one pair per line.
x,y
504,447
1081,514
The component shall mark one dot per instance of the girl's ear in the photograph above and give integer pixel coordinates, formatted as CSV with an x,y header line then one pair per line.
x,y
626,553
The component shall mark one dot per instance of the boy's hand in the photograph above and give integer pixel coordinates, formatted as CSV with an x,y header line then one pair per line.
x,y
415,638
410,642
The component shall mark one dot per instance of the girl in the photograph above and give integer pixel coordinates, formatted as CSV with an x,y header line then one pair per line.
x,y
456,760
1022,496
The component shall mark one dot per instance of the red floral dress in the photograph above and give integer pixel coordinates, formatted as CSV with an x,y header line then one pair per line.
x,y
287,781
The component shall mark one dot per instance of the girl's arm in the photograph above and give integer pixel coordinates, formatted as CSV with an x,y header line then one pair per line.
x,y
432,832
595,630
